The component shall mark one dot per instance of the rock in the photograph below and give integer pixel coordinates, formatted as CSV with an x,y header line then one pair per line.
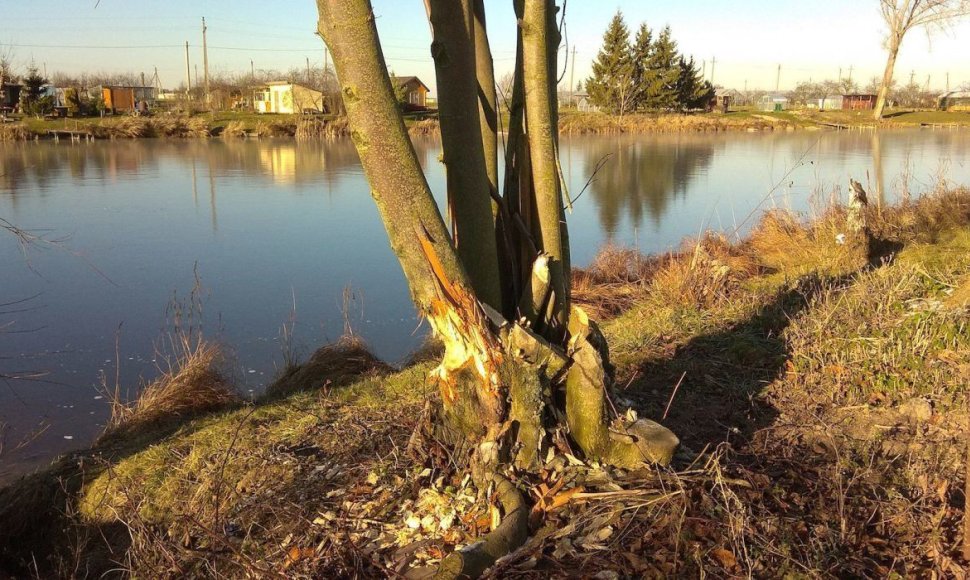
x,y
916,411
656,442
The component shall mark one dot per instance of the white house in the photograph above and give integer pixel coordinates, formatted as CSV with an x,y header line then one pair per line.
x,y
287,98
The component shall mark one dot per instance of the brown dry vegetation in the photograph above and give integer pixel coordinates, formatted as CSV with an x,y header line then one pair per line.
x,y
14,132
820,399
600,123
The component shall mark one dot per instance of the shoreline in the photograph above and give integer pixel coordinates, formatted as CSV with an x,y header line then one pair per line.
x,y
756,330
244,125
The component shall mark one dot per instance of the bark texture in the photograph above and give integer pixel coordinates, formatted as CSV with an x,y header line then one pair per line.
x,y
464,154
539,81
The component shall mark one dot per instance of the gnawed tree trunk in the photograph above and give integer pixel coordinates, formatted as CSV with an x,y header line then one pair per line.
x,y
515,351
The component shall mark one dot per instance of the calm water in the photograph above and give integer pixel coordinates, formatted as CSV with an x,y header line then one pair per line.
x,y
271,224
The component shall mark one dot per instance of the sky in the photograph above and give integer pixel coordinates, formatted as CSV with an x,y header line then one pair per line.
x,y
741,42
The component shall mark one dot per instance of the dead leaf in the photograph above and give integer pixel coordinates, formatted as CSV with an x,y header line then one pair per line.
x,y
725,557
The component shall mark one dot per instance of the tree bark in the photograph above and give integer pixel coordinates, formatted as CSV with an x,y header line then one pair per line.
x,y
439,285
538,35
465,157
887,76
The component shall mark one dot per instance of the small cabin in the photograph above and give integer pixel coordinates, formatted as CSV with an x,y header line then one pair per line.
x,y
722,100
287,98
954,101
415,91
124,99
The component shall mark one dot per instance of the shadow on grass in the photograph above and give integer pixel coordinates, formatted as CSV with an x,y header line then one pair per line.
x,y
723,374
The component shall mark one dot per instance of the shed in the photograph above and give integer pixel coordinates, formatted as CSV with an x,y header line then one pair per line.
x,y
955,101
722,99
124,99
415,91
773,102
286,98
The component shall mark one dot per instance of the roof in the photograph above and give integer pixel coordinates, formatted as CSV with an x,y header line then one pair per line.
x,y
283,84
405,81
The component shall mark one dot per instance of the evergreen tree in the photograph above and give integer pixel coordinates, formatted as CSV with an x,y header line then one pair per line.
x,y
643,76
30,98
611,86
664,67
693,92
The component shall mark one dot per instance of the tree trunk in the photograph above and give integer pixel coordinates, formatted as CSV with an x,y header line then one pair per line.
x,y
538,35
501,382
464,153
439,285
887,77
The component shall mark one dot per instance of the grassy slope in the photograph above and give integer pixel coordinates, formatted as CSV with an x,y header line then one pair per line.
x,y
804,380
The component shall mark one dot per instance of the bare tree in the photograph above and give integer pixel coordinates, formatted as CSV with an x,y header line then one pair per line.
x,y
901,16
521,363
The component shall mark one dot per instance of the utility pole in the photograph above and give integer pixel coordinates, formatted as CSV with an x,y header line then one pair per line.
x,y
157,83
948,81
851,67
205,61
704,69
912,77
188,71
840,74
572,76
778,79
308,71
143,80
713,63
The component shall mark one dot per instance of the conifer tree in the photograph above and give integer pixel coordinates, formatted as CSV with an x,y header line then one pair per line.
x,y
611,87
663,63
693,92
642,75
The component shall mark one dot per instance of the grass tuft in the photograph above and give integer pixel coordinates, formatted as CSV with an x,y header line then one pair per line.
x,y
333,365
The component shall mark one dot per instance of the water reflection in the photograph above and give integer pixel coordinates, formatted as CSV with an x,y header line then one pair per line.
x,y
641,177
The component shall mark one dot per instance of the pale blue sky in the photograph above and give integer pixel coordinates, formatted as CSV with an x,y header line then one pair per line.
x,y
749,38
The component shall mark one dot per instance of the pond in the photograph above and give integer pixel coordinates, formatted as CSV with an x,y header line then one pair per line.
x,y
279,233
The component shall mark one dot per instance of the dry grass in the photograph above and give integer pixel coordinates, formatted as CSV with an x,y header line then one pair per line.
x,y
310,127
275,129
14,132
425,128
333,365
233,130
194,384
599,123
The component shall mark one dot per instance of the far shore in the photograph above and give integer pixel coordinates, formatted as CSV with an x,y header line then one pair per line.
x,y
572,122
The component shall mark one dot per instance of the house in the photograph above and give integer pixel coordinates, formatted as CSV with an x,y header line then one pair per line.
x,y
954,101
849,102
286,98
415,91
773,103
722,99
9,97
123,99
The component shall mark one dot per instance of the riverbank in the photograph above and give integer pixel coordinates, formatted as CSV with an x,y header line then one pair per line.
x,y
238,125
810,392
